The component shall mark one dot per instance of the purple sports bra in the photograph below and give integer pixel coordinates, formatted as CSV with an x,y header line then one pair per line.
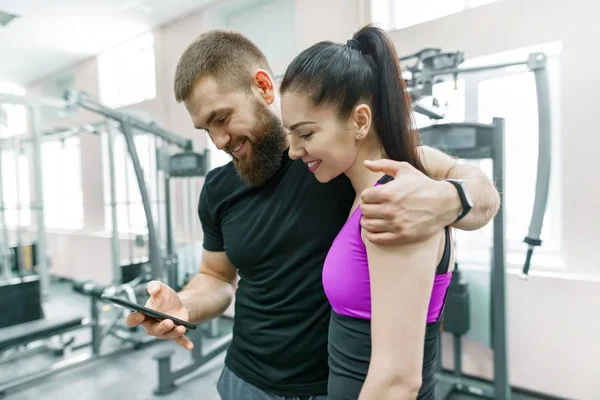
x,y
346,274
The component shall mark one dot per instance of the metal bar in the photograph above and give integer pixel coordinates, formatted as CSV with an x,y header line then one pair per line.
x,y
542,184
76,361
96,327
117,273
498,274
39,195
18,205
155,153
66,133
128,205
80,99
450,71
186,224
153,251
457,340
194,221
4,259
172,261
167,377
33,101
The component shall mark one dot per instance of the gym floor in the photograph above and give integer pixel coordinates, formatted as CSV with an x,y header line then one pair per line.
x,y
128,375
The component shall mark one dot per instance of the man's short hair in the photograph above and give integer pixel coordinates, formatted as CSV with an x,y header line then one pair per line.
x,y
225,55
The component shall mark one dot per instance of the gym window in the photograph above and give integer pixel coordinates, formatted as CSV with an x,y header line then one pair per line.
x,y
399,14
61,183
511,95
127,73
61,173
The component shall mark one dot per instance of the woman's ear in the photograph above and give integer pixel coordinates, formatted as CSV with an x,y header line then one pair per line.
x,y
263,82
361,119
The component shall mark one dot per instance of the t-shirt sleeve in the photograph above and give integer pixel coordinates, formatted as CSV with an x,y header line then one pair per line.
x,y
209,220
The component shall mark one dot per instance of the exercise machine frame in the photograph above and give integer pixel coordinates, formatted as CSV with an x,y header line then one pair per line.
x,y
433,65
184,166
33,106
476,141
127,123
163,263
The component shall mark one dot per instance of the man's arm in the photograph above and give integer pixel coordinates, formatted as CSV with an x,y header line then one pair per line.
x,y
210,292
485,197
414,206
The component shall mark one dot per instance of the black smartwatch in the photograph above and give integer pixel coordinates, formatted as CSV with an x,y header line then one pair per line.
x,y
463,194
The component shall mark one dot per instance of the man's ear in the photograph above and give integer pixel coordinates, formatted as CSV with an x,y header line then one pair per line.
x,y
264,84
361,119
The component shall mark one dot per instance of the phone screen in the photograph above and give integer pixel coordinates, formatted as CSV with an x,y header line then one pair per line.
x,y
147,311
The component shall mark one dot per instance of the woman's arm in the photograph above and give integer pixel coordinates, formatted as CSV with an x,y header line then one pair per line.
x,y
401,283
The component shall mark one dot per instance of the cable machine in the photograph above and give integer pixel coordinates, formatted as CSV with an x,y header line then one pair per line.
x,y
155,268
164,263
475,141
24,258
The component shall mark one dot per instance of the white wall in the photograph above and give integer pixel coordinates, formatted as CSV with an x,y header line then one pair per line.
x,y
272,35
553,340
318,20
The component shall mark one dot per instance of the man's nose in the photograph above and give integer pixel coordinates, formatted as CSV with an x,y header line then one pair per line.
x,y
221,140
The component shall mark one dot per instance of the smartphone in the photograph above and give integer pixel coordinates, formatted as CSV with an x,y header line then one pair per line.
x,y
146,311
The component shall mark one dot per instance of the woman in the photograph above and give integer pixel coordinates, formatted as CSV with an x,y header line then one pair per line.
x,y
343,105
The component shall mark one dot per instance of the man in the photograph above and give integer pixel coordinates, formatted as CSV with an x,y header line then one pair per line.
x,y
267,220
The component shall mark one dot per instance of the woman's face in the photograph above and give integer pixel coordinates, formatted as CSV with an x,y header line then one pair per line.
x,y
326,144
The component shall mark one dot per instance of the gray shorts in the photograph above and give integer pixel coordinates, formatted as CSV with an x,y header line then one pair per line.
x,y
231,387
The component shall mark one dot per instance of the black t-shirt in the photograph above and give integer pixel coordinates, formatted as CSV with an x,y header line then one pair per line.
x,y
277,236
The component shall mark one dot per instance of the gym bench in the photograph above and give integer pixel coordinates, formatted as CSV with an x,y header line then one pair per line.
x,y
43,329
33,331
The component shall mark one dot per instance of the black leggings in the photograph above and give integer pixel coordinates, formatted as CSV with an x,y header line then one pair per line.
x,y
350,354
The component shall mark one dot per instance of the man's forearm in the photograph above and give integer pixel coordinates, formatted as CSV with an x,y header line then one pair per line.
x,y
206,297
485,197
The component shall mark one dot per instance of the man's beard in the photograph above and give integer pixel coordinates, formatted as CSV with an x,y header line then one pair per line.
x,y
263,159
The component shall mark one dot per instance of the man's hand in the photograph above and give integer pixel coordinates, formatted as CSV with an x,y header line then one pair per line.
x,y
163,299
407,209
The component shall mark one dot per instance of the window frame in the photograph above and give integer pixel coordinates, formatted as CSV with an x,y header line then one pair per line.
x,y
388,8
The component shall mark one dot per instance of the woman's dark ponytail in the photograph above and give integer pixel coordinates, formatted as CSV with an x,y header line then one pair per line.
x,y
393,109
